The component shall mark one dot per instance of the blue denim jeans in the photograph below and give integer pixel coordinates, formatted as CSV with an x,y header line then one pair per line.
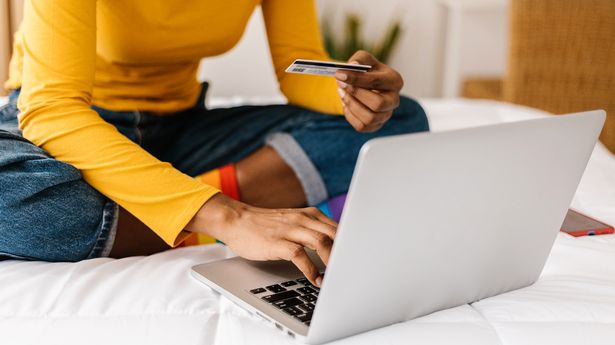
x,y
48,212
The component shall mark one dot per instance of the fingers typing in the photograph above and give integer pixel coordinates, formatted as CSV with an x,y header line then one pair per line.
x,y
297,255
313,240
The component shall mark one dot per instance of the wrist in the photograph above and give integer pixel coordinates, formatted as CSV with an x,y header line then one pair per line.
x,y
214,217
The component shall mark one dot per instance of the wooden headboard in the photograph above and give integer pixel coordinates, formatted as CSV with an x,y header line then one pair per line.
x,y
562,57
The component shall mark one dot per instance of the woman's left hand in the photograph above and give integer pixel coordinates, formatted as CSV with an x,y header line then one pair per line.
x,y
369,98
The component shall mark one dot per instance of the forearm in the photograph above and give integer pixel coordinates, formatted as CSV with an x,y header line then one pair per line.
x,y
59,39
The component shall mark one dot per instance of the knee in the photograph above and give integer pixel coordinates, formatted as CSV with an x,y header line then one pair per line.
x,y
412,115
47,211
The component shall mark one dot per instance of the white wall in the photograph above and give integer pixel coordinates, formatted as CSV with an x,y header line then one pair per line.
x,y
418,56
247,69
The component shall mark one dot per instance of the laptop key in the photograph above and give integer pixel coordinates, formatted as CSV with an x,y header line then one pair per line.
x,y
307,307
308,298
275,288
280,296
289,283
304,317
257,290
306,290
291,302
292,311
306,283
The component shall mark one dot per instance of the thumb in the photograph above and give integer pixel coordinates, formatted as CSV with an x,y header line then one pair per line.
x,y
364,58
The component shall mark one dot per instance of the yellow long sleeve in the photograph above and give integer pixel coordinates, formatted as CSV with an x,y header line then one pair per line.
x,y
293,33
58,69
143,55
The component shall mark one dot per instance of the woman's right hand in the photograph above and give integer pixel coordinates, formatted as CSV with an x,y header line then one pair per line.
x,y
268,234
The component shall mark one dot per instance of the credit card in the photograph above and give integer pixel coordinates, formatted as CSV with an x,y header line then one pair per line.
x,y
323,68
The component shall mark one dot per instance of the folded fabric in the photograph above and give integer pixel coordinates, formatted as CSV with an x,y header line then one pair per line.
x,y
333,207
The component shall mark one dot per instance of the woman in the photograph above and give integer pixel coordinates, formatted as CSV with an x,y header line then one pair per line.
x,y
106,140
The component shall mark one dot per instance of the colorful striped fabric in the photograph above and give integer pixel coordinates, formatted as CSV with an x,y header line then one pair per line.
x,y
333,207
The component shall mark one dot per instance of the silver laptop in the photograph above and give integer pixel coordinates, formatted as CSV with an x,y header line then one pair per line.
x,y
432,221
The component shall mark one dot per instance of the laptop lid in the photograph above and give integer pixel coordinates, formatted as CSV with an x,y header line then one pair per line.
x,y
437,220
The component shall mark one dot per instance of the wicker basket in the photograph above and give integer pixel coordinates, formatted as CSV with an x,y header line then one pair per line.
x,y
562,58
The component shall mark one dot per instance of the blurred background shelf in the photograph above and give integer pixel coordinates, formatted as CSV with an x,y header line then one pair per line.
x,y
475,41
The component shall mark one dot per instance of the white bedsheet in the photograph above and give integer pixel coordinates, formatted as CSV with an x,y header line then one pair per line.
x,y
153,300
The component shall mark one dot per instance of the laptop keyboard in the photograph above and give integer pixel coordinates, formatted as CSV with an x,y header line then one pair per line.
x,y
296,298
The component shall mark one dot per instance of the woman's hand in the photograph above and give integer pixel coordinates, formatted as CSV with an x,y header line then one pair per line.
x,y
268,234
369,98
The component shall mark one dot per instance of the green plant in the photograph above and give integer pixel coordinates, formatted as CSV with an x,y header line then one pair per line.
x,y
342,49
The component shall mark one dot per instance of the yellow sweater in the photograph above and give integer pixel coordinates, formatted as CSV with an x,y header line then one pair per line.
x,y
143,55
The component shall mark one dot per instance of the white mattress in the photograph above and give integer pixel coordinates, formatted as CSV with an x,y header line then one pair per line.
x,y
153,300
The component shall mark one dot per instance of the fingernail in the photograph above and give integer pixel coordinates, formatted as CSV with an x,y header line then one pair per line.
x,y
341,92
341,84
354,62
319,281
340,76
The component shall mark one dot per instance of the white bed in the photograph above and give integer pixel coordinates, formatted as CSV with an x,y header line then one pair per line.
x,y
153,300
